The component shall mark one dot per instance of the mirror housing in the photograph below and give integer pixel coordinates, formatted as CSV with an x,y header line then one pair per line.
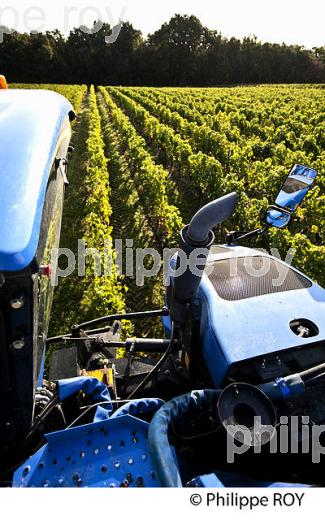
x,y
293,191
277,217
295,187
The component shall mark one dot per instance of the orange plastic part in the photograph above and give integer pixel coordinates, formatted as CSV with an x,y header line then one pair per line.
x,y
3,82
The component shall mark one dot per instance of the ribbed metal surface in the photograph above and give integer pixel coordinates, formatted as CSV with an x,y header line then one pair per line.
x,y
240,278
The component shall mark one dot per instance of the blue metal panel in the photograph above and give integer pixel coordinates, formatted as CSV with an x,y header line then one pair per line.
x,y
216,362
30,124
111,453
233,331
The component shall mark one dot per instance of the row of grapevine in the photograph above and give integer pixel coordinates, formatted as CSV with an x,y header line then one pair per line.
x,y
187,111
252,139
264,112
151,178
87,217
101,293
201,137
204,171
130,220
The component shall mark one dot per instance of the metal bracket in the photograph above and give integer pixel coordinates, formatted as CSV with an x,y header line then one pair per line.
x,y
62,166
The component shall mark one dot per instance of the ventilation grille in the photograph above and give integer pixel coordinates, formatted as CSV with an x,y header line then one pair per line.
x,y
241,278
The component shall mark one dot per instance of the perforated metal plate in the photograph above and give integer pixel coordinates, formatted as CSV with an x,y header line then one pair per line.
x,y
111,453
245,277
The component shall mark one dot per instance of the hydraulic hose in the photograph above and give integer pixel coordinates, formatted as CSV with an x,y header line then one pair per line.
x,y
312,372
161,453
293,384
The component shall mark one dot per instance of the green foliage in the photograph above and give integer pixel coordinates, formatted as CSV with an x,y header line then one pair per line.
x,y
181,52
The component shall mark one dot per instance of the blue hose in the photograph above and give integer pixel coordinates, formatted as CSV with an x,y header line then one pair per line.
x,y
162,456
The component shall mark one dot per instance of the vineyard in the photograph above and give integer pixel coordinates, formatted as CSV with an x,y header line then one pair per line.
x,y
146,158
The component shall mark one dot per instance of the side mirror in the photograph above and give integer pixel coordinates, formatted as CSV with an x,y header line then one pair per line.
x,y
296,186
293,191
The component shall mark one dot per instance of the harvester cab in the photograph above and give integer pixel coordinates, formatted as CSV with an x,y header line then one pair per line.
x,y
31,201
243,345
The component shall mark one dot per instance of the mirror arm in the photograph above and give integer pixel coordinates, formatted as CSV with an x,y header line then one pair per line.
x,y
235,236
279,208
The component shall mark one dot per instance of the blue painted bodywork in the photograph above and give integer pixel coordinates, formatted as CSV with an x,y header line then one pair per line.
x,y
30,126
233,331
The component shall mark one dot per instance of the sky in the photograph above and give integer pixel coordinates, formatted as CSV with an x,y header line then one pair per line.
x,y
290,21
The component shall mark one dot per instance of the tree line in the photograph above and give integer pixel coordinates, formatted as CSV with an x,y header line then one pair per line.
x,y
182,52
